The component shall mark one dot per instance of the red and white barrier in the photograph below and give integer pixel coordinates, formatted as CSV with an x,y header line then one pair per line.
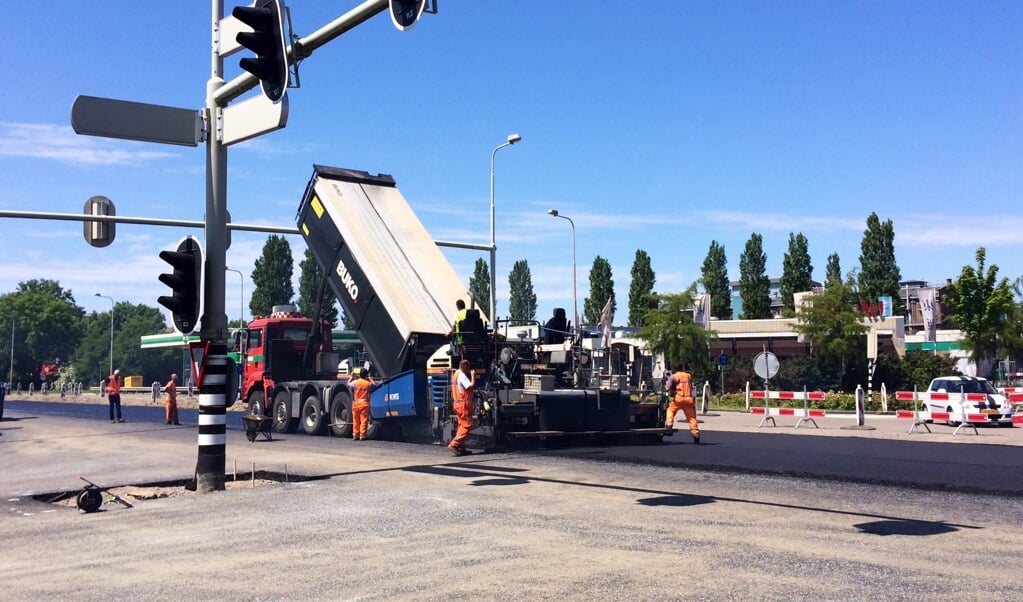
x,y
806,414
929,415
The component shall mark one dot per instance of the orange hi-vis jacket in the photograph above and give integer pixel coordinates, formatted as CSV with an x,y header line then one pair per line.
x,y
683,386
361,389
113,385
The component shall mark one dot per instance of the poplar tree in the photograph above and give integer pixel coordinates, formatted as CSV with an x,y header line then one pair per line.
x,y
522,299
833,274
602,287
479,288
641,299
754,285
715,281
272,276
310,280
797,272
879,274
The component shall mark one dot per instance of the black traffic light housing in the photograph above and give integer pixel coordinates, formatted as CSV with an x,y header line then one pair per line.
x,y
266,40
405,13
185,282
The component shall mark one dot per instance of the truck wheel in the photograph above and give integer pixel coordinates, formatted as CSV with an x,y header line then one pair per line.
x,y
312,417
283,420
374,430
341,415
257,406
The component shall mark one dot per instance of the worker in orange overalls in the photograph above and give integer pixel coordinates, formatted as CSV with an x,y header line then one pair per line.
x,y
461,390
681,385
170,404
360,404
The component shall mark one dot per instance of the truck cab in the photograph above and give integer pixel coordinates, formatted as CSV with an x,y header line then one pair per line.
x,y
270,348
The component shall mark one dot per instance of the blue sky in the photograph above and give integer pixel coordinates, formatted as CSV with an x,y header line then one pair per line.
x,y
659,128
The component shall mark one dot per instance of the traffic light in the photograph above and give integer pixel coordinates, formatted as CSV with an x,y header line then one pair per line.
x,y
186,284
405,13
267,40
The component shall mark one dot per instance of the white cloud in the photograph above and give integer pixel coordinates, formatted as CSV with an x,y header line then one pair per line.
x,y
60,143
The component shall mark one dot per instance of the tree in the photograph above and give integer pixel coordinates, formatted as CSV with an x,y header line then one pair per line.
x,y
981,305
832,325
715,281
833,273
272,276
92,355
46,324
797,272
522,300
754,285
879,274
641,299
479,287
310,280
602,288
669,329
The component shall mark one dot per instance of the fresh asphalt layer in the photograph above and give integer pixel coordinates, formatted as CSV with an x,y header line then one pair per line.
x,y
46,451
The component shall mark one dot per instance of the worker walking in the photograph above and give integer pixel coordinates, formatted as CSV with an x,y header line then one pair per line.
x,y
461,390
681,386
171,401
360,405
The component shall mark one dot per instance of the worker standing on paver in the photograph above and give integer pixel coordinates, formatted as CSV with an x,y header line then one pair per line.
x,y
680,386
461,390
360,405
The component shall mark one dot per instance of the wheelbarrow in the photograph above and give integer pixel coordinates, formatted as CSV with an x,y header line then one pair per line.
x,y
258,425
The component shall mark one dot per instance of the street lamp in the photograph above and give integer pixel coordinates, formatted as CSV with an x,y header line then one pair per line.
x,y
241,296
512,139
575,302
111,331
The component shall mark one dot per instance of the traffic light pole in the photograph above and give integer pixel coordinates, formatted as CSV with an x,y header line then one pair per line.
x,y
210,465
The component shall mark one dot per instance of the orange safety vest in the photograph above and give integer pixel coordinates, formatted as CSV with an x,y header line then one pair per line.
x,y
683,386
113,385
455,393
361,389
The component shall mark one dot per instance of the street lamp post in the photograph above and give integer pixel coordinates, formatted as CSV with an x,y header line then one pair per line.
x,y
111,331
575,302
512,139
241,295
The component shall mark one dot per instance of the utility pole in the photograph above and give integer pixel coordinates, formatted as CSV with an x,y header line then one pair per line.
x,y
219,126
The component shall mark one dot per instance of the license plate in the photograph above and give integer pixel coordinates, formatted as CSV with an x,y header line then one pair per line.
x,y
991,412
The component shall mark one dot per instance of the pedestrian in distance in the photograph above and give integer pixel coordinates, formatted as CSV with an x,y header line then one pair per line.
x,y
680,387
361,389
462,388
170,402
114,396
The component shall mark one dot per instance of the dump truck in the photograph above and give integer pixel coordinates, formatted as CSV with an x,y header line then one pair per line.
x,y
400,292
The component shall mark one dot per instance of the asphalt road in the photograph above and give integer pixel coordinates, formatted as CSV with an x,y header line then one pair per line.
x,y
387,521
988,459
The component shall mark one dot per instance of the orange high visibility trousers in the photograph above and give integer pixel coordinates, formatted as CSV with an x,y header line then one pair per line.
x,y
360,419
463,411
688,407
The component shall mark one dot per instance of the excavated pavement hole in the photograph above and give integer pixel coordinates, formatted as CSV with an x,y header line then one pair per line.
x,y
125,496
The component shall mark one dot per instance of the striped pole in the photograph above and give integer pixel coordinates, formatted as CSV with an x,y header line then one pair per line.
x,y
210,466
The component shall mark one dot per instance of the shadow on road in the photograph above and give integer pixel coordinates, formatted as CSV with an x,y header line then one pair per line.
x,y
905,527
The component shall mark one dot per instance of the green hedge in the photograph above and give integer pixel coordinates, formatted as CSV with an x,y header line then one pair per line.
x,y
832,401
